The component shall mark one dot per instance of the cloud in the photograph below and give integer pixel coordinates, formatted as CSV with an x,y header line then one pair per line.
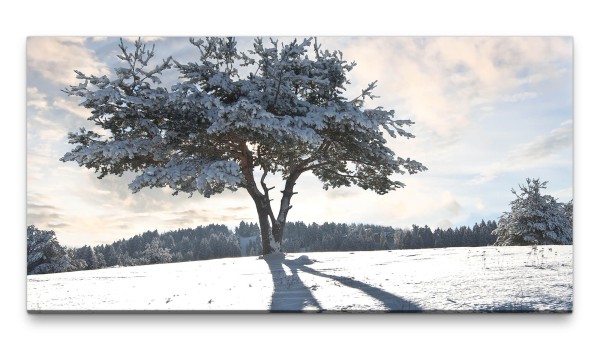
x,y
520,96
563,195
80,40
444,224
479,205
145,39
58,225
43,215
44,131
41,123
32,217
55,58
535,153
47,131
199,216
342,193
32,205
443,82
544,146
451,205
36,99
72,106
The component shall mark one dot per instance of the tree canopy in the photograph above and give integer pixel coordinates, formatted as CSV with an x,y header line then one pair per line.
x,y
212,130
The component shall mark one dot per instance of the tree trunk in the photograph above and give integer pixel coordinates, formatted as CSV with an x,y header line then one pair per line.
x,y
271,229
279,224
266,233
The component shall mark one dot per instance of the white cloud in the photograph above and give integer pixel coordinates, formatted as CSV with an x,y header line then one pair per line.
x,y
145,39
421,202
71,105
479,205
443,82
56,58
36,99
538,152
444,224
44,129
563,195
520,96
79,40
450,204
49,132
544,146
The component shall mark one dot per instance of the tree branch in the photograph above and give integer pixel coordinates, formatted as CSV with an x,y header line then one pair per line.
x,y
341,174
266,194
324,147
274,105
315,166
247,165
267,200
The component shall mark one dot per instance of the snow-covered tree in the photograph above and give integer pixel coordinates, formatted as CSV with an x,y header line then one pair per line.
x,y
534,219
247,229
44,253
155,254
76,264
87,254
568,207
112,259
217,127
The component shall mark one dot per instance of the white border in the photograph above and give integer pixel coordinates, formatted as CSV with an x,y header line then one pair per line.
x,y
307,17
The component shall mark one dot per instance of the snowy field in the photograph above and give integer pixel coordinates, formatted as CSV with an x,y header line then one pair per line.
x,y
480,279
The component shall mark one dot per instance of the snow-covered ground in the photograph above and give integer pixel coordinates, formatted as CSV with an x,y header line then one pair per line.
x,y
450,279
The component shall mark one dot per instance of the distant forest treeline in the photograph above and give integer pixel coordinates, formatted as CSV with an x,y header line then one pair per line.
x,y
217,241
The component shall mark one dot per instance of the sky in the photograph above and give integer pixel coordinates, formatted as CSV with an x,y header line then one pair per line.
x,y
489,112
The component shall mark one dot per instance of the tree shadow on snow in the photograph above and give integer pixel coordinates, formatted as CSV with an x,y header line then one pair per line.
x,y
290,293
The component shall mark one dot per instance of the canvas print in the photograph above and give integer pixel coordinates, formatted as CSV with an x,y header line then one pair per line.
x,y
299,174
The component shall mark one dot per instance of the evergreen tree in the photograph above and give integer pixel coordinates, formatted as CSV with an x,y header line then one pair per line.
x,y
186,248
439,238
155,254
247,229
204,250
44,253
75,264
135,246
111,256
126,259
568,208
427,237
534,218
101,262
87,254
